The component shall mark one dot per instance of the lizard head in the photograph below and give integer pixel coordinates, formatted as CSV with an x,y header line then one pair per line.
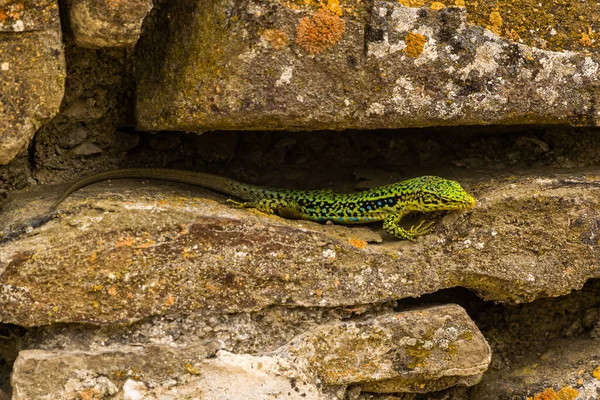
x,y
443,194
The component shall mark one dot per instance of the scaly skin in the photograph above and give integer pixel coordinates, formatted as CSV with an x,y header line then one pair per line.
x,y
386,203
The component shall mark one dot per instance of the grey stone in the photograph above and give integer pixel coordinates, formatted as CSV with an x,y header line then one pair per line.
x,y
422,350
72,138
567,369
86,149
32,72
279,65
107,23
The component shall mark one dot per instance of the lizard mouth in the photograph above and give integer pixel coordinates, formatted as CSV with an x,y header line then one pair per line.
x,y
470,203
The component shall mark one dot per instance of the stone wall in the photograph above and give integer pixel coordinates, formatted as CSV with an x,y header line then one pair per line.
x,y
143,289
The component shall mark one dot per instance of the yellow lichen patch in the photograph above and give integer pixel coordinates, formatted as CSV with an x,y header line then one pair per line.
x,y
596,373
585,40
460,3
191,369
415,42
412,3
436,5
419,355
358,243
321,31
567,393
276,37
496,22
557,25
334,7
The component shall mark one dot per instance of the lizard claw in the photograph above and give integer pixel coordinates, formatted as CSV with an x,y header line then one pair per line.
x,y
421,229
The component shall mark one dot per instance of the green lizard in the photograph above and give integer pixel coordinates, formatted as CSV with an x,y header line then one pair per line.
x,y
386,203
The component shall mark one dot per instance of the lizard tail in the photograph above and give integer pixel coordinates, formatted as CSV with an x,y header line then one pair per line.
x,y
209,181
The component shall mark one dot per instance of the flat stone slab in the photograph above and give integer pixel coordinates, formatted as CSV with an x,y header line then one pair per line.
x,y
32,72
144,250
418,350
364,65
155,372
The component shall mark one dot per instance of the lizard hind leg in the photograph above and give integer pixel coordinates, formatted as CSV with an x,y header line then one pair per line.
x,y
392,226
284,208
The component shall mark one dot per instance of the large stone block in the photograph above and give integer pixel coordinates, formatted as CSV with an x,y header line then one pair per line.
x,y
423,350
32,71
383,64
107,23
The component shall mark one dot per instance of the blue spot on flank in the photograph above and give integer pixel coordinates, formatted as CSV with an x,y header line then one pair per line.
x,y
340,219
362,209
378,203
368,207
390,201
311,210
365,219
355,218
321,219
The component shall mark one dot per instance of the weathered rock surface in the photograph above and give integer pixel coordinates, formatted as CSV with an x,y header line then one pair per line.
x,y
422,350
32,71
151,252
416,350
569,369
107,23
155,372
277,65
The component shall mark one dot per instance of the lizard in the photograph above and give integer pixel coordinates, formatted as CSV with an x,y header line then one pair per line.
x,y
389,203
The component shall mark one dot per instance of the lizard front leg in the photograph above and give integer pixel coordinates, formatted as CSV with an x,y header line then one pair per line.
x,y
391,225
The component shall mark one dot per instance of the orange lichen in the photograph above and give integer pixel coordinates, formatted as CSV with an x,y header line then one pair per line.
x,y
321,31
276,37
415,43
596,373
147,243
436,5
460,3
125,242
170,301
88,394
567,393
358,243
112,291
